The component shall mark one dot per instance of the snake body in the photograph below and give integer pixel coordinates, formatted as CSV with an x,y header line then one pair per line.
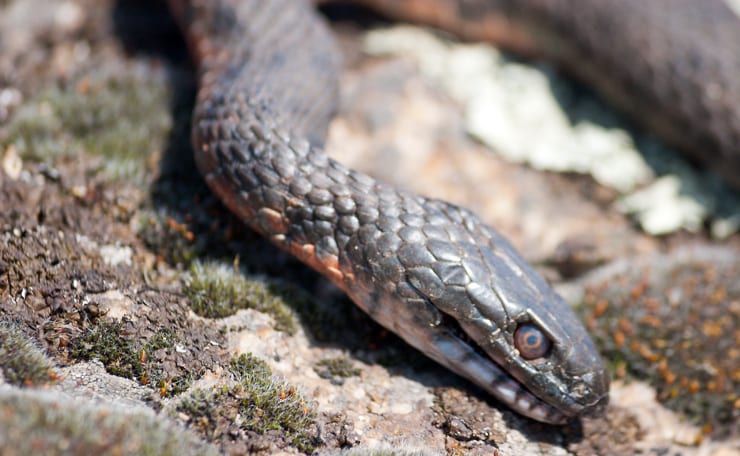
x,y
430,271
672,65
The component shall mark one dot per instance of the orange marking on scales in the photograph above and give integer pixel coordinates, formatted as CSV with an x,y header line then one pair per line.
x,y
272,221
328,265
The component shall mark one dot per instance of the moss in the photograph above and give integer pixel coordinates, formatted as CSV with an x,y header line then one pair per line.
x,y
675,324
124,118
171,240
255,402
22,362
128,358
44,423
169,387
336,369
269,404
217,290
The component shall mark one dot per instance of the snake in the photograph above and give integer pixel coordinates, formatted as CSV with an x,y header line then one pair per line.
x,y
432,272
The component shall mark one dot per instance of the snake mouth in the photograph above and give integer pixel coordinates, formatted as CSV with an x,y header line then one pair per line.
x,y
480,368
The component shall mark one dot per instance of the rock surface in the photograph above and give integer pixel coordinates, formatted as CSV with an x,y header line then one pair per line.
x,y
104,221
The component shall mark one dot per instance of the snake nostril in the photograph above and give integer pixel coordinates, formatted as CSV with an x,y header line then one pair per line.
x,y
581,390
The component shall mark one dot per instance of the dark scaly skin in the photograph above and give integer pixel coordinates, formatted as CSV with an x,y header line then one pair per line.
x,y
673,65
427,270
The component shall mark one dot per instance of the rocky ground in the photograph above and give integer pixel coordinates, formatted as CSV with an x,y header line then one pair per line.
x,y
138,316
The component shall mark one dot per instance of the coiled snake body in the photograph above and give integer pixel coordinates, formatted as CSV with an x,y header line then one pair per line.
x,y
427,270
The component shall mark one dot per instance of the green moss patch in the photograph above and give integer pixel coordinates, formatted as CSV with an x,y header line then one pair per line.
x,y
42,423
130,358
217,290
336,369
22,362
255,403
124,118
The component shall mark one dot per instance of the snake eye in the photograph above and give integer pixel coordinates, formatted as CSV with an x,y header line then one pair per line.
x,y
531,342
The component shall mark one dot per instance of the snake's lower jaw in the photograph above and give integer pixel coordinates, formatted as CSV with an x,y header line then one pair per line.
x,y
588,397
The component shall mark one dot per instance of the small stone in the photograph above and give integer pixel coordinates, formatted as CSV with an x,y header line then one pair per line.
x,y
402,408
114,255
79,191
10,98
69,16
12,163
458,429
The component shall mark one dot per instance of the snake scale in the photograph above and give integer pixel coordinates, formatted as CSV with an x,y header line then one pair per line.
x,y
425,269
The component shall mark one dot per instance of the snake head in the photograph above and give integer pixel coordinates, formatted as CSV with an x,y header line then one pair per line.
x,y
459,292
